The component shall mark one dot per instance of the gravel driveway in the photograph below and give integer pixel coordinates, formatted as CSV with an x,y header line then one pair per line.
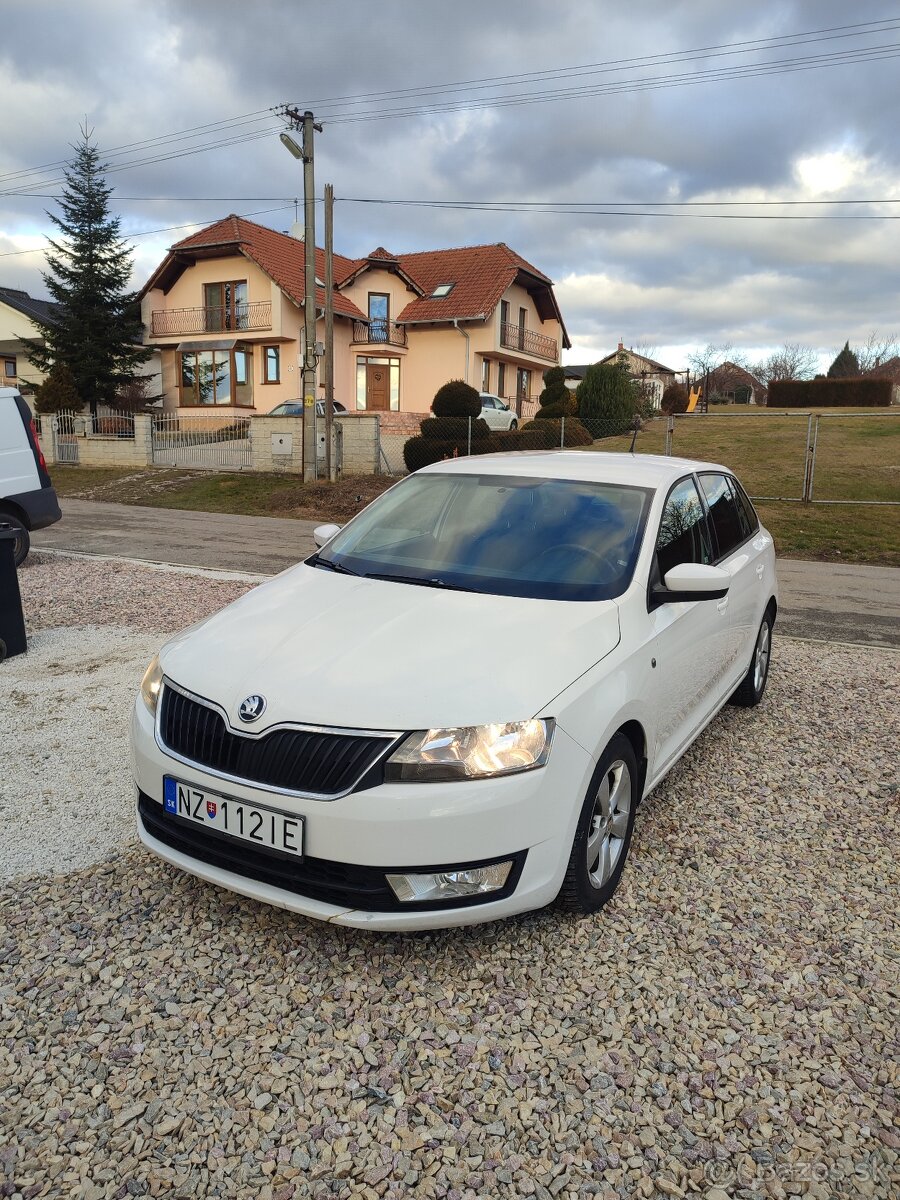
x,y
725,1028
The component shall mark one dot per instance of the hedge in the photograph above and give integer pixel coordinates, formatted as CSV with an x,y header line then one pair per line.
x,y
830,393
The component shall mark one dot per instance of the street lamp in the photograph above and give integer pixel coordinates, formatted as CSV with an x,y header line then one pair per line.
x,y
288,141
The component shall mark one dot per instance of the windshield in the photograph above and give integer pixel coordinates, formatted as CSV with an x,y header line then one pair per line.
x,y
550,539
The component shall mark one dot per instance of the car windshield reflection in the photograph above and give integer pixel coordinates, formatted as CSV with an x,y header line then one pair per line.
x,y
557,539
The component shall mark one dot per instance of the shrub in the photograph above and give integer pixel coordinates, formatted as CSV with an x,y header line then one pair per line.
x,y
566,407
606,395
675,399
456,399
575,433
420,451
830,393
58,391
555,391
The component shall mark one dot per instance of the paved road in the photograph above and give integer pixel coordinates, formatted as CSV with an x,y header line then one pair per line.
x,y
829,601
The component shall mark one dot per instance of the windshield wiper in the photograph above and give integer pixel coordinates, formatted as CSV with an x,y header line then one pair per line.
x,y
328,564
419,582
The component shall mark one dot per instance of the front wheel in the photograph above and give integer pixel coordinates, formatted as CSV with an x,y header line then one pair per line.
x,y
753,685
514,424
604,830
22,542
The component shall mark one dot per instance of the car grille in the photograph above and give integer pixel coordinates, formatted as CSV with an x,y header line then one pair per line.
x,y
305,761
346,885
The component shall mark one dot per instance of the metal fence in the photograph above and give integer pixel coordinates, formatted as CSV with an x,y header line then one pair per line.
x,y
796,457
202,441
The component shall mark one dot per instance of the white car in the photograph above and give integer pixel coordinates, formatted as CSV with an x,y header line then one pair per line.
x,y
497,413
535,639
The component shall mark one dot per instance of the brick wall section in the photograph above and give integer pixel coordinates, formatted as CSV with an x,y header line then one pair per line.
x,y
406,423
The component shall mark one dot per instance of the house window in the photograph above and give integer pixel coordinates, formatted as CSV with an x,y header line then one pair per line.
x,y
271,364
523,383
377,384
216,377
226,305
522,315
442,290
501,380
9,368
379,316
485,374
504,312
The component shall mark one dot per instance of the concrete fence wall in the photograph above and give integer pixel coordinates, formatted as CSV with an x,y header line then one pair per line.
x,y
276,445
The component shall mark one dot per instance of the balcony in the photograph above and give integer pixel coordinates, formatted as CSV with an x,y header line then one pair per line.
x,y
379,333
237,318
516,337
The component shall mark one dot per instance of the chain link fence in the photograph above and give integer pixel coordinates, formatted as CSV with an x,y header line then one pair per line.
x,y
799,457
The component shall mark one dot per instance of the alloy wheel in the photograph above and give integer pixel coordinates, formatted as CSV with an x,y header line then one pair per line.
x,y
609,823
761,656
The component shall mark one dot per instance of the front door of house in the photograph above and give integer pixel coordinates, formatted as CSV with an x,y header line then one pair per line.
x,y
378,379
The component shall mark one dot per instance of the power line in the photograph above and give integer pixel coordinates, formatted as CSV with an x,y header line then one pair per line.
x,y
568,204
535,207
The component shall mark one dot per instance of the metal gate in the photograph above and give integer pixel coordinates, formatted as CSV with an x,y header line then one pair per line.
x,y
67,428
212,442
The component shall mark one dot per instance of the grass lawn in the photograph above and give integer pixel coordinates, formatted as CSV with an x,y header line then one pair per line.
x,y
856,457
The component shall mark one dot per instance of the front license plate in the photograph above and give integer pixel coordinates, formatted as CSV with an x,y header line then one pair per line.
x,y
274,830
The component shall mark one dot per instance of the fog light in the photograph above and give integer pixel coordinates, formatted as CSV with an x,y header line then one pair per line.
x,y
450,885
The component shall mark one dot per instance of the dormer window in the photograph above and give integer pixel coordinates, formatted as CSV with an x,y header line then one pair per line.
x,y
442,290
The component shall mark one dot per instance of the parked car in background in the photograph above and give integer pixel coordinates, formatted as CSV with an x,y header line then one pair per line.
x,y
27,498
294,408
446,760
497,413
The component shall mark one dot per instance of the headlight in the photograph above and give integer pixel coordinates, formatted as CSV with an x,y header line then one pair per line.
x,y
150,685
473,752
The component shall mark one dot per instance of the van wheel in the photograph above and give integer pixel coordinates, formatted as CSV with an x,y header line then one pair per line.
x,y
22,544
604,830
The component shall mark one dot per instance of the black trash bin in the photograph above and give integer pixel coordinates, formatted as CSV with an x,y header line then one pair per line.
x,y
12,620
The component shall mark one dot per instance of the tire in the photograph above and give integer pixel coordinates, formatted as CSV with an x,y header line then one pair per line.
x,y
514,424
753,686
22,544
593,874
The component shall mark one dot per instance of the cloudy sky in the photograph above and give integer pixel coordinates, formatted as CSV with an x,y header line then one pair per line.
x,y
699,101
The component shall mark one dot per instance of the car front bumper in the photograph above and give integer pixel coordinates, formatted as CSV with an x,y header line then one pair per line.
x,y
351,843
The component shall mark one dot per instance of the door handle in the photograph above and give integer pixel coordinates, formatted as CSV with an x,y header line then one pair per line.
x,y
760,570
722,605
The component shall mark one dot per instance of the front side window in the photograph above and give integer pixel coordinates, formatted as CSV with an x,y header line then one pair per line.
x,y
215,377
683,531
726,516
552,539
271,364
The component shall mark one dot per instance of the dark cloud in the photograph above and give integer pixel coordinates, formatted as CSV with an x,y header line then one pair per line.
x,y
134,72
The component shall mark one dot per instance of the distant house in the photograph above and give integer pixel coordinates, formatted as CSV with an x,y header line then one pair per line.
x,y
736,384
225,311
889,369
654,377
19,317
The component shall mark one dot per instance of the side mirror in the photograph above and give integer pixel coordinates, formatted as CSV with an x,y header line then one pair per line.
x,y
691,581
506,408
324,533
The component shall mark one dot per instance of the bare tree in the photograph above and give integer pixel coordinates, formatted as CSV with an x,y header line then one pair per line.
x,y
709,358
791,361
878,348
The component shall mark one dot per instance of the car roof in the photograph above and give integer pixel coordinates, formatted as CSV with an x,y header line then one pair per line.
x,y
639,470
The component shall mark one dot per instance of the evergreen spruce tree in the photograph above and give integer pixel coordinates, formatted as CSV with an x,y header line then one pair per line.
x,y
845,366
96,331
606,399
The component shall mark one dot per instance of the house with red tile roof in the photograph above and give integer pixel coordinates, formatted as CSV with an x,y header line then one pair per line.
x,y
225,310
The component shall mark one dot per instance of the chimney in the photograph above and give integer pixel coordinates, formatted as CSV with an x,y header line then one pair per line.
x,y
621,347
298,230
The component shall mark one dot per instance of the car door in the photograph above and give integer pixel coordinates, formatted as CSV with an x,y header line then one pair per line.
x,y
690,637
489,411
743,555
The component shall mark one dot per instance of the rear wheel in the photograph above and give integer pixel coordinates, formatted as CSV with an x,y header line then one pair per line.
x,y
751,689
22,544
604,830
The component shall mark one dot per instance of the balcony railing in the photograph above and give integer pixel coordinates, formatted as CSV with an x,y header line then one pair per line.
x,y
515,337
255,314
379,333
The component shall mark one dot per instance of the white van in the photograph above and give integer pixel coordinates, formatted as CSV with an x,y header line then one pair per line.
x,y
27,498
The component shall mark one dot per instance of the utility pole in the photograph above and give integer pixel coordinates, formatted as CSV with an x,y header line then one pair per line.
x,y
329,324
308,125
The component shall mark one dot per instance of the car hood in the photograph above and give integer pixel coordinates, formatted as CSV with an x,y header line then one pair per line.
x,y
329,649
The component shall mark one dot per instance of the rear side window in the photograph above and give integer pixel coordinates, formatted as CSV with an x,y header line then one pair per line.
x,y
727,516
683,531
751,520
